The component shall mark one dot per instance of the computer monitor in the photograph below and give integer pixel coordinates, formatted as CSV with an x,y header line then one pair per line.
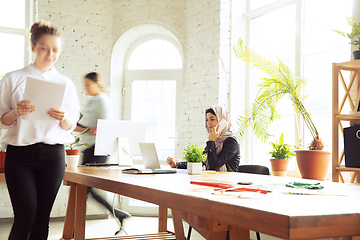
x,y
110,132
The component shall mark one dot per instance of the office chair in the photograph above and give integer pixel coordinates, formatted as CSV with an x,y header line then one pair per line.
x,y
254,169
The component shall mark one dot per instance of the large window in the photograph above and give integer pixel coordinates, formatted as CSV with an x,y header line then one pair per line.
x,y
299,33
15,21
153,80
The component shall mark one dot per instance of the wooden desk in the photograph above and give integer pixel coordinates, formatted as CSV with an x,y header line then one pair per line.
x,y
2,177
286,216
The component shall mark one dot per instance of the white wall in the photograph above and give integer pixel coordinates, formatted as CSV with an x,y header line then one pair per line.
x,y
205,81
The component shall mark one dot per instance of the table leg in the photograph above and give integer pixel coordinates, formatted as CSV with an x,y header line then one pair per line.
x,y
70,214
178,225
163,219
80,212
236,233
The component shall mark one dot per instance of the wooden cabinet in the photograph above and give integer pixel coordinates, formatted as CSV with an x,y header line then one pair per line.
x,y
346,83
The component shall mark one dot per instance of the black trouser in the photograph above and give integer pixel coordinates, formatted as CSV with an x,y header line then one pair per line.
x,y
33,176
89,157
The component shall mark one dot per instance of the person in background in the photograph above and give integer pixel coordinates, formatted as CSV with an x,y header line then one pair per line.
x,y
98,107
35,156
222,148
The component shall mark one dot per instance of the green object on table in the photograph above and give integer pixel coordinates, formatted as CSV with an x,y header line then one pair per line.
x,y
304,185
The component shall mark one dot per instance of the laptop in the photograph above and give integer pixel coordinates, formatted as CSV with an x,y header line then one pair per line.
x,y
150,160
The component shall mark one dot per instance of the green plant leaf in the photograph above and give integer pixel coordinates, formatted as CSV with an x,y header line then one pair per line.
x,y
279,83
194,153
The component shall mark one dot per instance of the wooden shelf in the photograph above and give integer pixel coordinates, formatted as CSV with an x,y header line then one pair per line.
x,y
348,117
349,65
347,169
350,87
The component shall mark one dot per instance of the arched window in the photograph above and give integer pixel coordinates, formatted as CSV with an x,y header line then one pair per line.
x,y
153,75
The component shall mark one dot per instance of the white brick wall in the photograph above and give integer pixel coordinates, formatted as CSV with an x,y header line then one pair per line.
x,y
205,82
87,30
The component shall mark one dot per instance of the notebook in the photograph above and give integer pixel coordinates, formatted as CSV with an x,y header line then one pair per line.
x,y
151,161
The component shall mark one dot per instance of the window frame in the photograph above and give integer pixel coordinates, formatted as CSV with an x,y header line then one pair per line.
x,y
299,44
29,19
154,74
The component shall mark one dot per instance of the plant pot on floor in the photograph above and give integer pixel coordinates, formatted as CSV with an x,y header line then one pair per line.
x,y
313,164
72,158
356,55
194,168
2,161
279,167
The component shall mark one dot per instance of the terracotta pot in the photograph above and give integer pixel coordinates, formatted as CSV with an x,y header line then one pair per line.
x,y
72,151
279,167
313,164
2,161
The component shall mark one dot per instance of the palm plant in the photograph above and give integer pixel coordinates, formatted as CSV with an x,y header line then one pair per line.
x,y
280,82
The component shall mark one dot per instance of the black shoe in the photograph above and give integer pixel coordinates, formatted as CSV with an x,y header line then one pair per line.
x,y
121,215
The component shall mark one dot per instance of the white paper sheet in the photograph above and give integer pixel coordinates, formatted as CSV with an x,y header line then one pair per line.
x,y
44,95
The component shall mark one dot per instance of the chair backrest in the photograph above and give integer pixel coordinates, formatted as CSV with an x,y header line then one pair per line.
x,y
255,169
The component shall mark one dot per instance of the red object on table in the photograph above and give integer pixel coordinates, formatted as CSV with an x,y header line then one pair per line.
x,y
228,186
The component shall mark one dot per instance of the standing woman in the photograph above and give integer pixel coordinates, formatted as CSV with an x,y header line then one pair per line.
x,y
97,108
35,158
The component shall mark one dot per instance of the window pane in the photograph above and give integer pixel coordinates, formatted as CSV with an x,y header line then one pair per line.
x,y
274,43
273,34
153,102
12,52
155,54
322,47
14,14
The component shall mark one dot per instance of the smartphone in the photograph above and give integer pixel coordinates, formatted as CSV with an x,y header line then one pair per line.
x,y
222,124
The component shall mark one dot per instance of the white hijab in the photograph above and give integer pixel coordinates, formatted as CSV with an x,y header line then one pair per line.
x,y
221,114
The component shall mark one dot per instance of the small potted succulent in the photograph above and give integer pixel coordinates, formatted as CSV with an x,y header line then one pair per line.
x,y
354,36
72,153
280,156
194,155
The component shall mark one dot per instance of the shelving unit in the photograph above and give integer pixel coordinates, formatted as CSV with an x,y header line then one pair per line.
x,y
351,86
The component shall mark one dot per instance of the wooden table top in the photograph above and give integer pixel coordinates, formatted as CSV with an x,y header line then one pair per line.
x,y
279,214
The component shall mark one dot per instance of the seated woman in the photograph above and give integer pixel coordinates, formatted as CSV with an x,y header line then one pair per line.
x,y
222,149
222,154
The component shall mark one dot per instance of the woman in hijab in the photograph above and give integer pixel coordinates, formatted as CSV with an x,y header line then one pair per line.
x,y
222,149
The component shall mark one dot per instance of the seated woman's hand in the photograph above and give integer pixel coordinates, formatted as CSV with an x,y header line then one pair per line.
x,y
171,162
214,133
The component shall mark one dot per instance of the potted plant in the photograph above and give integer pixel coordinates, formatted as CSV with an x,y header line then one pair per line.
x,y
194,155
72,153
354,36
281,82
280,156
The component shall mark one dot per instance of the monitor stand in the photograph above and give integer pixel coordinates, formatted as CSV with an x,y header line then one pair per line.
x,y
124,153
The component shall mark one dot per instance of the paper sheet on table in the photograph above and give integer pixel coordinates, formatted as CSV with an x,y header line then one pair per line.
x,y
44,95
